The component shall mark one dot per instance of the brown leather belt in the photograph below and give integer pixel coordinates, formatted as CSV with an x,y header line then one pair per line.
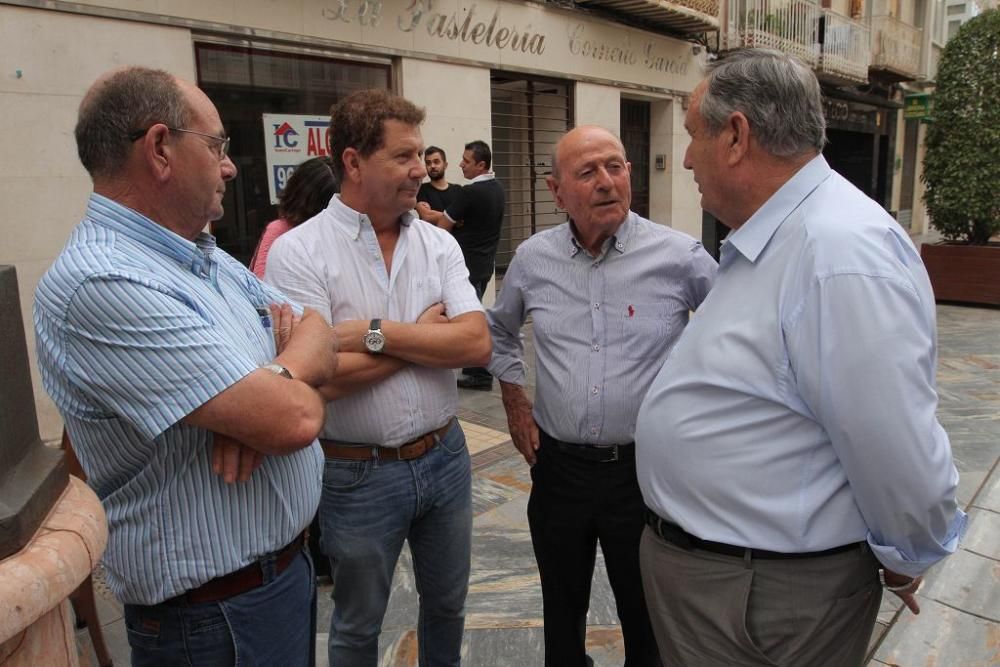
x,y
242,580
414,449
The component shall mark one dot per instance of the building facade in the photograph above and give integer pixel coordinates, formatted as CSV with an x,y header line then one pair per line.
x,y
513,73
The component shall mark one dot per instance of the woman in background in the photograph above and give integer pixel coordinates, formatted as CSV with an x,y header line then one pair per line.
x,y
308,191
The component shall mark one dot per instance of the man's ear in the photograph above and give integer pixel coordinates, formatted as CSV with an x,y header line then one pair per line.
x,y
738,137
554,189
157,152
352,164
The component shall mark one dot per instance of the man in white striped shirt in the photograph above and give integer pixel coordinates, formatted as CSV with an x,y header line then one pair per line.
x,y
397,468
195,423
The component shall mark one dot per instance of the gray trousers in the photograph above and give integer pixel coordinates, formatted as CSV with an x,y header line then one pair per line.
x,y
710,610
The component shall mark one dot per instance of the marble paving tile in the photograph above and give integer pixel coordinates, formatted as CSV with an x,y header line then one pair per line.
x,y
941,636
983,533
989,495
966,581
488,494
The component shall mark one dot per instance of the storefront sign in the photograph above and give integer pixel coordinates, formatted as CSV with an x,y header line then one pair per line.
x,y
290,139
920,106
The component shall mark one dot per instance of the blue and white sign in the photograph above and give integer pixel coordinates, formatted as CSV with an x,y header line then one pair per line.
x,y
289,140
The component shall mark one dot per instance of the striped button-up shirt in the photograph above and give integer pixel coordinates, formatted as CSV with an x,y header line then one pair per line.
x,y
333,263
602,325
136,327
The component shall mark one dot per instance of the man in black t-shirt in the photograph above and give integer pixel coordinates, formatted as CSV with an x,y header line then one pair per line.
x,y
475,217
438,193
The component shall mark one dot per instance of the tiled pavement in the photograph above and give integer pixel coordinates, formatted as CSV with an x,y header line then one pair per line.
x,y
960,622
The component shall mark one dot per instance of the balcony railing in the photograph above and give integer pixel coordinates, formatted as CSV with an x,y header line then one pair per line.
x,y
895,47
787,25
845,48
688,16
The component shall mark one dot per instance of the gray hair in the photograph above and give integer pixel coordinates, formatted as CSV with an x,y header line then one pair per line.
x,y
777,93
118,104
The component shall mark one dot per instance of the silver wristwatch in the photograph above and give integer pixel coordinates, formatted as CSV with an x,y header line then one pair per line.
x,y
278,369
375,339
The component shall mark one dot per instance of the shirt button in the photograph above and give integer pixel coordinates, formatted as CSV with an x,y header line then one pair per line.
x,y
597,348
619,245
597,306
594,391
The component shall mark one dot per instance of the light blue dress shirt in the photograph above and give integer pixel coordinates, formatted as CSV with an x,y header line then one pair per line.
x,y
602,325
136,327
797,411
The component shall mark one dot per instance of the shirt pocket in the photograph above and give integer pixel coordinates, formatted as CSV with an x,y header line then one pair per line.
x,y
644,329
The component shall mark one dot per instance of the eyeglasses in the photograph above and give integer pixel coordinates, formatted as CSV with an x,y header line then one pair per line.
x,y
223,141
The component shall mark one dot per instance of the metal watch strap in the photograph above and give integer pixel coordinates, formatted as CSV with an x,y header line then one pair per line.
x,y
278,369
375,325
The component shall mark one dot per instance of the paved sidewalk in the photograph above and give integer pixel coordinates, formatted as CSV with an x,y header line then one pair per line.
x,y
960,622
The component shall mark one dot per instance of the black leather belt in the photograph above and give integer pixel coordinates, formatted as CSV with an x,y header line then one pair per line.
x,y
595,453
671,532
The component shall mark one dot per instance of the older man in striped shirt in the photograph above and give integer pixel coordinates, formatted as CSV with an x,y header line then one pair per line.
x,y
195,423
609,292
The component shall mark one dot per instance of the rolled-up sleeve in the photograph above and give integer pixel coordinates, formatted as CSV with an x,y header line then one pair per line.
x,y
861,348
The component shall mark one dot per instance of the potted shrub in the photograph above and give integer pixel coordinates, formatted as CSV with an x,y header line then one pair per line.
x,y
962,166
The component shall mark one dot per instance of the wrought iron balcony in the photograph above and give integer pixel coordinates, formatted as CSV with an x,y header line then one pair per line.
x,y
787,25
845,49
684,16
895,48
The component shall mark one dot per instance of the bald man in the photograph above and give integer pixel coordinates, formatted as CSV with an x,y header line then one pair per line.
x,y
609,292
189,389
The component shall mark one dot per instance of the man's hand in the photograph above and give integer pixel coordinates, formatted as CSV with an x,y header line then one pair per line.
x,y
232,460
908,592
520,422
284,321
423,208
435,314
307,347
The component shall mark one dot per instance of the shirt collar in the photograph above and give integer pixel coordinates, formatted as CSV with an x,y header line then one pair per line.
x,y
618,241
488,176
751,239
196,255
350,220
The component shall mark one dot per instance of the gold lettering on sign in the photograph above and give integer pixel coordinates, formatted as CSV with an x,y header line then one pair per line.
x,y
467,27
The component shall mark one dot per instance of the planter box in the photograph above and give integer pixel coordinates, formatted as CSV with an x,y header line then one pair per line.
x,y
966,273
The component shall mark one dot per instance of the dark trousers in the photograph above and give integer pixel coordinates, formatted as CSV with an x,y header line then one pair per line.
x,y
479,373
575,503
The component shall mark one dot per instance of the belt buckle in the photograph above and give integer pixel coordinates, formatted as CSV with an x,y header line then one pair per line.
x,y
614,454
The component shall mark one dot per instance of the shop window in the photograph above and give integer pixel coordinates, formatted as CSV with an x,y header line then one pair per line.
x,y
247,80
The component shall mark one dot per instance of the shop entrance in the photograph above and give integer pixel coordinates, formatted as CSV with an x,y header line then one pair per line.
x,y
529,116
635,138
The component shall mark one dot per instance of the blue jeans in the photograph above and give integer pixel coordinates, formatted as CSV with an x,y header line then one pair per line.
x,y
274,624
367,510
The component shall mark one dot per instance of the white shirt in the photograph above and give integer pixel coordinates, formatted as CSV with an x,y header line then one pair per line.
x,y
797,411
333,263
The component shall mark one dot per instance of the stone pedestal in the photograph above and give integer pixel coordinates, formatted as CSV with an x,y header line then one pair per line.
x,y
36,622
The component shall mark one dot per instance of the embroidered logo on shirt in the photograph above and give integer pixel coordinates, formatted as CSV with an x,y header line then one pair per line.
x,y
631,311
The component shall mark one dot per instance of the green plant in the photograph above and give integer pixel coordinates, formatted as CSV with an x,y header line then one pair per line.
x,y
962,162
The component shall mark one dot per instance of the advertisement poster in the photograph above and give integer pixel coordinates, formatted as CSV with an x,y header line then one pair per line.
x,y
289,140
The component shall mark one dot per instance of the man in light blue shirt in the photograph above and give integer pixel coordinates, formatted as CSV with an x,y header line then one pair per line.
x,y
788,450
160,352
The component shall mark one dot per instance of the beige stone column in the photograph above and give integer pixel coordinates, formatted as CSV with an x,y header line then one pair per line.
x,y
36,622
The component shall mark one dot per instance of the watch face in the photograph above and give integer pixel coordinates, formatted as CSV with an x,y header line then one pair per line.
x,y
374,341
